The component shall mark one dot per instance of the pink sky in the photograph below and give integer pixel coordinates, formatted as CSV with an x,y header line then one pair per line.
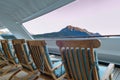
x,y
101,16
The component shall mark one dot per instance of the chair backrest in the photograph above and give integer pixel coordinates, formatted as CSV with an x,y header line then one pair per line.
x,y
40,55
2,54
79,58
23,57
9,51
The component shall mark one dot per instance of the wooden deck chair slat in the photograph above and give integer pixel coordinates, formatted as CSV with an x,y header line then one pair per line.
x,y
87,62
77,64
82,64
74,60
64,57
21,56
68,62
35,50
72,63
40,59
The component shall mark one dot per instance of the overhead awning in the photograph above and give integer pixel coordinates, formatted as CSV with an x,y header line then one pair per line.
x,y
15,12
25,10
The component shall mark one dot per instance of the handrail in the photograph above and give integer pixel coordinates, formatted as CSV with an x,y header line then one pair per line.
x,y
84,36
92,36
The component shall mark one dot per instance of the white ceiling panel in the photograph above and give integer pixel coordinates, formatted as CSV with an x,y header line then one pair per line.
x,y
25,10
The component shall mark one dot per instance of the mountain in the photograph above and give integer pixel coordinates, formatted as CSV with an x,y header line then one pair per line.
x,y
69,31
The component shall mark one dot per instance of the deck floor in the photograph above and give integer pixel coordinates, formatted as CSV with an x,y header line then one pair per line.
x,y
116,75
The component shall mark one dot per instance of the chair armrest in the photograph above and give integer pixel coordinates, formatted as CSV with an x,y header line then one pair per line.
x,y
57,67
108,71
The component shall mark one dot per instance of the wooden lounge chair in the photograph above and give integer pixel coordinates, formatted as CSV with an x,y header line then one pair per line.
x,y
2,55
80,60
3,60
25,60
48,70
9,57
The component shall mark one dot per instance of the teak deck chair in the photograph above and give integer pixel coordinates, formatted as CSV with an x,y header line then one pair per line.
x,y
40,55
3,60
9,55
80,60
25,60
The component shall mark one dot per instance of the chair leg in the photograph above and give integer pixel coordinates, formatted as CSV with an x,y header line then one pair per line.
x,y
3,65
31,74
9,69
14,74
36,76
6,71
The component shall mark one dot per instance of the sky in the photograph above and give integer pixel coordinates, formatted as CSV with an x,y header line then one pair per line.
x,y
102,16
